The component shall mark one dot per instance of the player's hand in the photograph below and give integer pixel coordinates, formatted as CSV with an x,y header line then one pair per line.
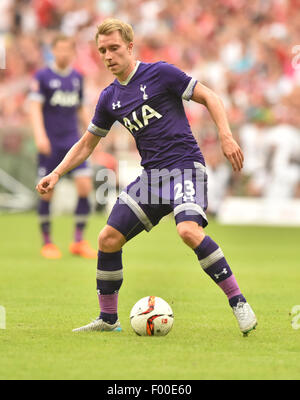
x,y
47,183
44,146
232,152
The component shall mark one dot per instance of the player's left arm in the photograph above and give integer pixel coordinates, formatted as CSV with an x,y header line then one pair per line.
x,y
214,104
84,115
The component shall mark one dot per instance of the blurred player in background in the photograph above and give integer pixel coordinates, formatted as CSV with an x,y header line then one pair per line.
x,y
147,99
56,102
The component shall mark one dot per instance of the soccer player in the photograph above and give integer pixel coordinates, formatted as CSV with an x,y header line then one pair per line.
x,y
147,99
56,101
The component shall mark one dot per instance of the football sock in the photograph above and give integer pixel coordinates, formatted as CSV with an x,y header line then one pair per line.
x,y
44,217
213,262
109,281
81,216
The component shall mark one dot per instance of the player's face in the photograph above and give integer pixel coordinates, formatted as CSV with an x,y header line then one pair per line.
x,y
63,53
116,54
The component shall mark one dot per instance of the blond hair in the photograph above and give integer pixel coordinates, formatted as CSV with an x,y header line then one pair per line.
x,y
110,25
60,37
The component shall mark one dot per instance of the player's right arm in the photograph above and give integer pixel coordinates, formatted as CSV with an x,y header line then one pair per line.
x,y
40,136
98,128
76,156
37,98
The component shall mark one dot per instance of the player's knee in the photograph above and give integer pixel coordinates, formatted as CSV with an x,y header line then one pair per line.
x,y
190,233
185,232
110,240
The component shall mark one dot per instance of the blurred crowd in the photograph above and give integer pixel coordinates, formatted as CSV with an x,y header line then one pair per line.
x,y
246,51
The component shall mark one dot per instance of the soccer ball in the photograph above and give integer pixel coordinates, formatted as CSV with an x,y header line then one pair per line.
x,y
151,316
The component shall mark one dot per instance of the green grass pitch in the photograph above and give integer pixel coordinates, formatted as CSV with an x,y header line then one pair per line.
x,y
45,300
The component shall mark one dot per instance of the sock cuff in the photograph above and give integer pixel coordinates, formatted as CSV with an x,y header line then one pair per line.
x,y
110,261
206,247
233,301
104,255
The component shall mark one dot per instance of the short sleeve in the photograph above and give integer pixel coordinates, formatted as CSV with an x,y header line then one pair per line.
x,y
177,81
37,92
102,120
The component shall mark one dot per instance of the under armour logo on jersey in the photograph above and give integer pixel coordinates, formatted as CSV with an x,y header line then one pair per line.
x,y
143,89
116,105
223,272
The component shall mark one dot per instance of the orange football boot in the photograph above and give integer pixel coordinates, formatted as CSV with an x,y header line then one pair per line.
x,y
51,251
83,249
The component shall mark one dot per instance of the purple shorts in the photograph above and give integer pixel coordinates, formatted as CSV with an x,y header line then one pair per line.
x,y
157,193
47,164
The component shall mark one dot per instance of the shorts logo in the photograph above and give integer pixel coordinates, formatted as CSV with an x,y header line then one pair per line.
x,y
42,171
116,105
143,89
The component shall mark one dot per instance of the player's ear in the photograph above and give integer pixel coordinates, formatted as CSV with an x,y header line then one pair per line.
x,y
130,47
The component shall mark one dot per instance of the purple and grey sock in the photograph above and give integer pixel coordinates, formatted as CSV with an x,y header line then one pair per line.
x,y
109,281
45,223
214,264
82,213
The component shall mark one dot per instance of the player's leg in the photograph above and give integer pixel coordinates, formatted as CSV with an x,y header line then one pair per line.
x,y
190,220
127,219
84,186
211,259
49,249
215,265
109,272
122,225
44,217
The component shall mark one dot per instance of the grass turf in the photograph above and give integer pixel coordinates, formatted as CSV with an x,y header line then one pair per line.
x,y
45,300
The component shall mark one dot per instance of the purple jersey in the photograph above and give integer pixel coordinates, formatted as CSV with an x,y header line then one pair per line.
x,y
61,96
149,104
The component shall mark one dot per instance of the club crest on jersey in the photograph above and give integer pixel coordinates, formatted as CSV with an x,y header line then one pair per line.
x,y
55,83
116,105
143,89
76,83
